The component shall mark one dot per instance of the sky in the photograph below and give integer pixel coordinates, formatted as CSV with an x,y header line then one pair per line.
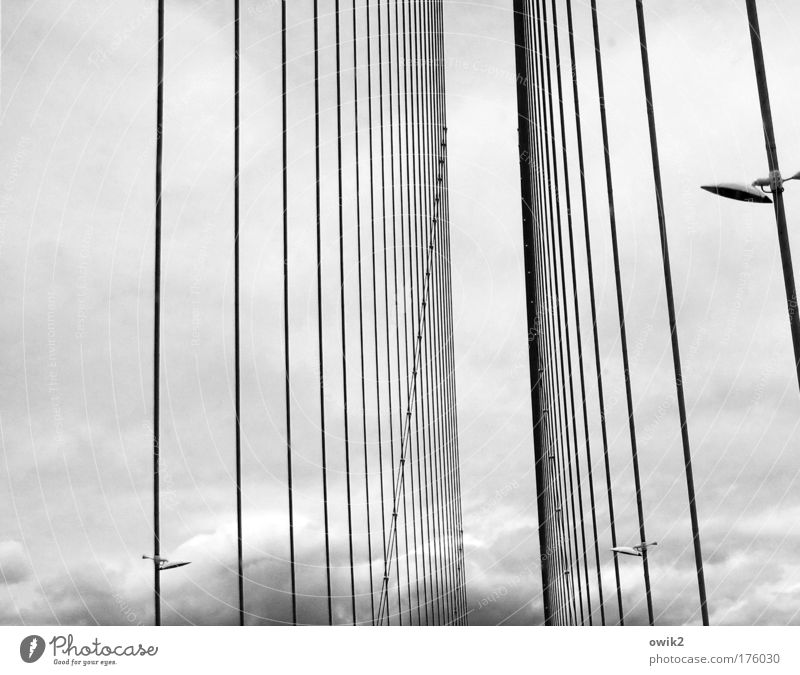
x,y
77,106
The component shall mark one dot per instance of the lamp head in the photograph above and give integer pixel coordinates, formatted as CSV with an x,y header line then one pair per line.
x,y
738,191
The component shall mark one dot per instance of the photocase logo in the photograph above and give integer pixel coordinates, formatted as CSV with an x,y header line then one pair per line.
x,y
31,648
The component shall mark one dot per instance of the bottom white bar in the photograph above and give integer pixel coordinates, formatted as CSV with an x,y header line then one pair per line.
x,y
396,650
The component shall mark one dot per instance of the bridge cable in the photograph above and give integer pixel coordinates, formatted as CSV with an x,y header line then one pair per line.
x,y
621,308
374,303
386,288
361,310
426,398
554,313
286,342
584,204
541,321
531,206
455,464
439,463
399,218
576,310
319,314
568,411
236,341
157,316
407,218
676,357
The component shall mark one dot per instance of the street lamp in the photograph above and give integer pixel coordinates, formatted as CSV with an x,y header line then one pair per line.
x,y
163,563
758,192
738,191
159,565
634,550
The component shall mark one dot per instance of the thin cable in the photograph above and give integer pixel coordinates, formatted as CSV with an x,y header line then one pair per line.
x,y
596,341
342,310
396,312
569,414
532,160
673,324
550,412
319,315
421,405
157,319
621,309
553,211
568,209
360,297
405,435
454,455
406,227
285,174
551,588
237,359
387,559
434,381
579,346
401,278
445,522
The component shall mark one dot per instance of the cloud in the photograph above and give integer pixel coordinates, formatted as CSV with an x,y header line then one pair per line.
x,y
14,566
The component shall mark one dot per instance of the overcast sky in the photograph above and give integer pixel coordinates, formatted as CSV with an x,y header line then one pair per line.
x,y
76,216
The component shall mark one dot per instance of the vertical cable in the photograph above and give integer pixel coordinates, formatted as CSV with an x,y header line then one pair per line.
x,y
598,367
342,309
425,192
445,210
319,314
286,371
402,279
530,167
411,219
440,519
421,405
442,579
550,178
621,309
579,335
432,197
391,549
237,358
361,301
569,411
395,514
405,220
576,308
673,325
375,293
157,319
551,414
